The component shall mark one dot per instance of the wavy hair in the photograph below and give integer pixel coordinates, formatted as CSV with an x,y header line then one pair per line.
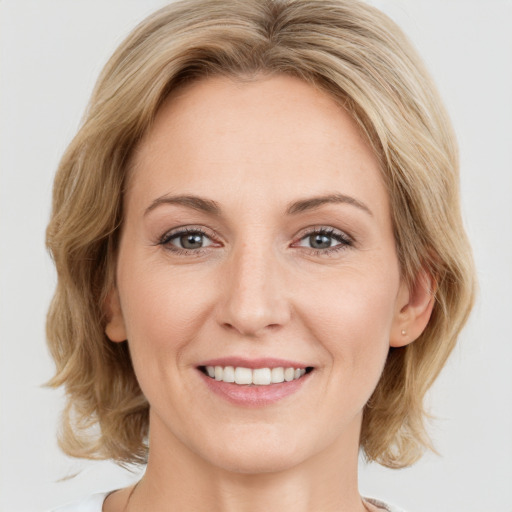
x,y
363,60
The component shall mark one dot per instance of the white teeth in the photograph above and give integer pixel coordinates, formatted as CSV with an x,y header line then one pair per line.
x,y
229,374
277,375
262,376
258,376
243,375
289,374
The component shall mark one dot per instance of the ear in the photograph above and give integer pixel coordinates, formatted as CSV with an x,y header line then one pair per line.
x,y
413,309
115,328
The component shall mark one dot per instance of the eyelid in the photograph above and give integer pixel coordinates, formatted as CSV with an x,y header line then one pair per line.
x,y
327,230
179,230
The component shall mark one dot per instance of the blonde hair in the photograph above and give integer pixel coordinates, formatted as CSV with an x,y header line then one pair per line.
x,y
348,49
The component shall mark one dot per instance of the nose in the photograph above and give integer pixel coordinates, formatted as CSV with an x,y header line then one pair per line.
x,y
254,296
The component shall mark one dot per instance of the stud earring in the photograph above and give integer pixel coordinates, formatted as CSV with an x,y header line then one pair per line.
x,y
404,332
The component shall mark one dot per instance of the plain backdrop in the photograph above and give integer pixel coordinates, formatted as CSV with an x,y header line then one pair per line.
x,y
51,54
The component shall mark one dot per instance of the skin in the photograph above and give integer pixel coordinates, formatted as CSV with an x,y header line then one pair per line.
x,y
256,289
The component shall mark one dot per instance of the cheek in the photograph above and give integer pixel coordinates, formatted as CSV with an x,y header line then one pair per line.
x,y
161,311
166,310
163,318
351,314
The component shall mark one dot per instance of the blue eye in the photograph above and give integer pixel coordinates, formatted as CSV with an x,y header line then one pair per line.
x,y
186,240
325,240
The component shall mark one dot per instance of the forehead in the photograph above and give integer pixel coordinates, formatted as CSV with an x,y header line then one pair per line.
x,y
269,137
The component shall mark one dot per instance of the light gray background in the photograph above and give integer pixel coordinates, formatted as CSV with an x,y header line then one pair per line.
x,y
51,54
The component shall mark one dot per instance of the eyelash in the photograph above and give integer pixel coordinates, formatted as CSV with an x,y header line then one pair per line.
x,y
344,241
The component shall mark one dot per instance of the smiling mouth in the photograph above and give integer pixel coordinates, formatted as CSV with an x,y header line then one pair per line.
x,y
254,376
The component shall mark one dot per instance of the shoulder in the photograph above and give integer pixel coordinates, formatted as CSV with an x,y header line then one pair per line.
x,y
380,506
93,503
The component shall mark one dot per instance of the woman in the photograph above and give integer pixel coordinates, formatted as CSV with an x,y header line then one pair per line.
x,y
262,266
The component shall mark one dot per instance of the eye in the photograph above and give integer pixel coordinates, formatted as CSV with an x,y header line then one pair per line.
x,y
184,240
325,240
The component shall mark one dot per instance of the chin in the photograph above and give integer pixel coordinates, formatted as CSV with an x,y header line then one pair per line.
x,y
267,454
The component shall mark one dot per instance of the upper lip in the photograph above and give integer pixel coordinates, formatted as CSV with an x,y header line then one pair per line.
x,y
260,362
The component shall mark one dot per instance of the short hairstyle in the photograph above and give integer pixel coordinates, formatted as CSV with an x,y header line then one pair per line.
x,y
362,59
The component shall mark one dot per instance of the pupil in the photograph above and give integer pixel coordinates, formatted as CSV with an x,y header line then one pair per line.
x,y
191,241
320,241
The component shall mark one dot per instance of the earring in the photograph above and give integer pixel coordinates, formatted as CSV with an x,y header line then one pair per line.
x,y
404,332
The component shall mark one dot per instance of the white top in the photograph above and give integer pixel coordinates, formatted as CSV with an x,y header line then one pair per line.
x,y
94,503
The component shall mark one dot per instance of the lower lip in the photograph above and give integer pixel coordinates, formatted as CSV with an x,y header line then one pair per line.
x,y
254,396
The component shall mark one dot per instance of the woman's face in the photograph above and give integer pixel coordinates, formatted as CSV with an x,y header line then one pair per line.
x,y
257,236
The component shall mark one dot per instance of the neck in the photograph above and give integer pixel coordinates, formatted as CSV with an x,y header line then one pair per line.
x,y
178,479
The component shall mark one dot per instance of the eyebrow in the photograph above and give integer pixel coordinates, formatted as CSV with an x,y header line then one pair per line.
x,y
209,206
312,203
